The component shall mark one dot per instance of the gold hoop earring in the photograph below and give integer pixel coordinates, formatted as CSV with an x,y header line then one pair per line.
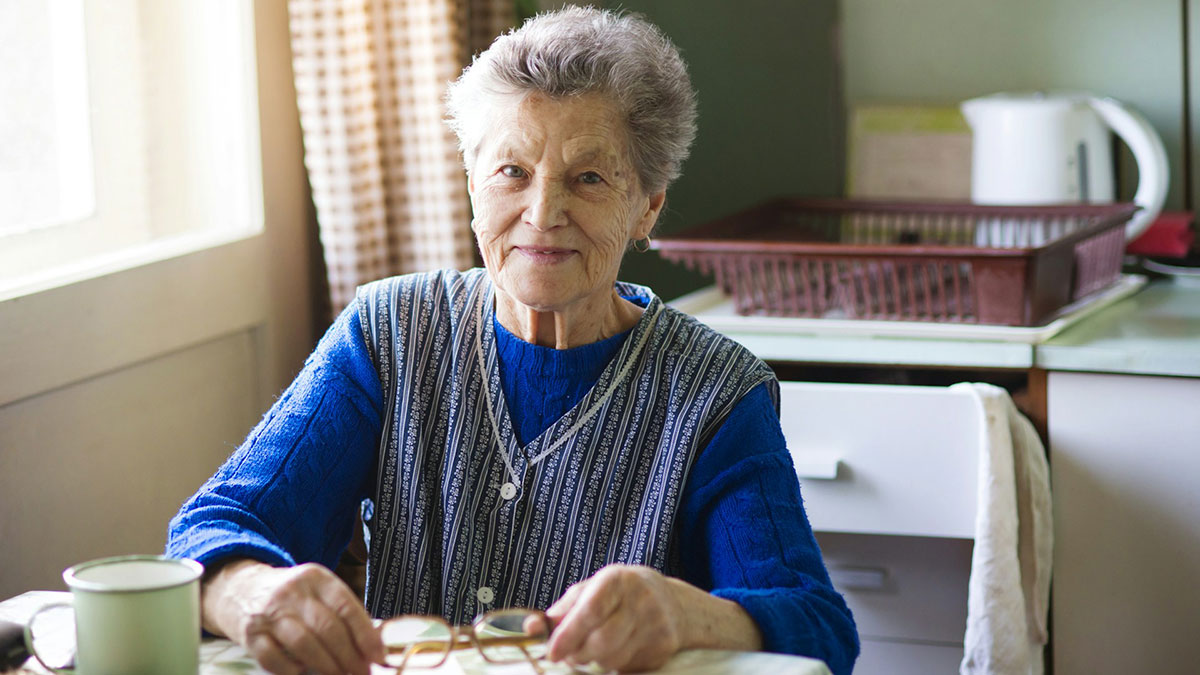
x,y
643,248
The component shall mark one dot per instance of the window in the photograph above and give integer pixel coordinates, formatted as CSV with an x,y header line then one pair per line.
x,y
128,132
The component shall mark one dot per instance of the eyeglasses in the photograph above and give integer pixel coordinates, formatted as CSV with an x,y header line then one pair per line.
x,y
503,636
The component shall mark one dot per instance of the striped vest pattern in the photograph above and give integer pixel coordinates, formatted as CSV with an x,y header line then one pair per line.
x,y
459,506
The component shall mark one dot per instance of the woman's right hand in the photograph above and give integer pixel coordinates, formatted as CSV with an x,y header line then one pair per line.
x,y
291,619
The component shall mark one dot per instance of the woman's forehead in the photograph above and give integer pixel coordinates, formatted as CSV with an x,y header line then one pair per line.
x,y
586,127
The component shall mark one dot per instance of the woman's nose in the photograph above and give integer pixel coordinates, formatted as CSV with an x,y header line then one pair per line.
x,y
548,205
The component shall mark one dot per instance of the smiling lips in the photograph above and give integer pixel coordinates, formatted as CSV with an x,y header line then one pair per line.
x,y
545,254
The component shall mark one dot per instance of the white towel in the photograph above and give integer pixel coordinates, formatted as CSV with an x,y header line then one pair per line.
x,y
1009,591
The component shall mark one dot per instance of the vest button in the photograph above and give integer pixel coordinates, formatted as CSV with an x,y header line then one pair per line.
x,y
508,491
485,595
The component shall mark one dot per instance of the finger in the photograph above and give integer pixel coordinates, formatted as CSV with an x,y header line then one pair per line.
x,y
271,656
595,604
612,644
335,637
346,606
536,624
305,646
559,609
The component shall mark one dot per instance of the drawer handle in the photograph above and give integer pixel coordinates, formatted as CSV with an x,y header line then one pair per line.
x,y
816,466
858,578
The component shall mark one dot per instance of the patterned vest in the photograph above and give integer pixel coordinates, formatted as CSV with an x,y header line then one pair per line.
x,y
463,519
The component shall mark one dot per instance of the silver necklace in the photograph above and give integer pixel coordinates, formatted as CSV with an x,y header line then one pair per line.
x,y
583,419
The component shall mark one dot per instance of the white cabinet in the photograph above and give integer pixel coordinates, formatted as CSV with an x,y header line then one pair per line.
x,y
1125,471
905,457
888,477
902,657
903,590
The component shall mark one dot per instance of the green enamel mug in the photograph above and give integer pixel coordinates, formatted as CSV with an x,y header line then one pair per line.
x,y
134,615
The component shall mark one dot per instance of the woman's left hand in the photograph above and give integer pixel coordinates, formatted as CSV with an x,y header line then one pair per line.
x,y
633,618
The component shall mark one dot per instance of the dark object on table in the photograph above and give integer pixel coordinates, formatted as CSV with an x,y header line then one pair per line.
x,y
1185,269
908,261
12,645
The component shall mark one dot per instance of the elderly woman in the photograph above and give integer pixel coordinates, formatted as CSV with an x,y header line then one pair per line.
x,y
533,434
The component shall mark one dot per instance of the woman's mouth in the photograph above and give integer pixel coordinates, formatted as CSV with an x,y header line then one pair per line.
x,y
545,254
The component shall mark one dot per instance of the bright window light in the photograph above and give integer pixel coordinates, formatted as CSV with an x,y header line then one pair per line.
x,y
127,128
45,133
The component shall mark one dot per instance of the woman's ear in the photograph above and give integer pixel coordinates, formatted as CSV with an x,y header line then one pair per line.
x,y
650,217
471,195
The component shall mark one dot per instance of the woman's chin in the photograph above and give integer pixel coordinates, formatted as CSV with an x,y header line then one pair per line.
x,y
549,297
543,292
543,302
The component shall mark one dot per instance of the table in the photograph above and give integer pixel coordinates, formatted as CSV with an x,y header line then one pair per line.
x,y
222,657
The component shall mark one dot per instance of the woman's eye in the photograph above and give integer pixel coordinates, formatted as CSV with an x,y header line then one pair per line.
x,y
512,171
590,177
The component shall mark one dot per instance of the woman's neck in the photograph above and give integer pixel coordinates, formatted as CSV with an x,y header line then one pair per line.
x,y
586,321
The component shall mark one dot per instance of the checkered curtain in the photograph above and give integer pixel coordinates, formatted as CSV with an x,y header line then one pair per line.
x,y
387,181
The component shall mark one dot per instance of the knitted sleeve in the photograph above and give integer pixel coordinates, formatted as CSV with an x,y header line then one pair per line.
x,y
290,493
745,537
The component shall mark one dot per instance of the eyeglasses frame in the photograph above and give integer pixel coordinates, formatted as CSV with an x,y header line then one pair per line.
x,y
466,636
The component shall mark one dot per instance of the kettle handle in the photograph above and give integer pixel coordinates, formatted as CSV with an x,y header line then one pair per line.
x,y
1151,157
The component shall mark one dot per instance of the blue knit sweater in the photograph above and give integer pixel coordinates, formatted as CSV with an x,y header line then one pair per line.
x,y
742,530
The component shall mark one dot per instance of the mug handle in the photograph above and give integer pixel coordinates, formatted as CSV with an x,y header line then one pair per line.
x,y
29,637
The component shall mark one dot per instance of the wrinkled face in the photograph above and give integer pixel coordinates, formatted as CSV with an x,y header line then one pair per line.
x,y
556,199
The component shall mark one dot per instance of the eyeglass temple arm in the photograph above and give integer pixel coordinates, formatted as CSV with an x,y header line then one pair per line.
x,y
532,661
460,642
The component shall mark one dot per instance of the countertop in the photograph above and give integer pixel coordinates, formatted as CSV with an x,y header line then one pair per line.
x,y
1156,331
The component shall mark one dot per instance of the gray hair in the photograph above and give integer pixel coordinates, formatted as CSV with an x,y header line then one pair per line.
x,y
582,50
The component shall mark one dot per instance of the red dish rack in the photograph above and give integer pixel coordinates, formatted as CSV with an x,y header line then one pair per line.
x,y
907,261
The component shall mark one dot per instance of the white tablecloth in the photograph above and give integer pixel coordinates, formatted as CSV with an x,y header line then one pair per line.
x,y
222,657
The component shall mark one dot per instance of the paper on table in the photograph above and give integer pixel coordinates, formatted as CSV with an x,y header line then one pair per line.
x,y
221,657
54,630
692,662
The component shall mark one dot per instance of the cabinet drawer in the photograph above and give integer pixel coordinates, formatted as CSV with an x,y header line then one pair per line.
x,y
902,588
906,658
884,459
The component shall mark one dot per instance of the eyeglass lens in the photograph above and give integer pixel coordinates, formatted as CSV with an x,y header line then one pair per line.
x,y
416,642
513,635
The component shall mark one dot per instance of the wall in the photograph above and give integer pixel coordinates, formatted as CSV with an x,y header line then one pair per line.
x,y
774,84
120,394
769,110
935,51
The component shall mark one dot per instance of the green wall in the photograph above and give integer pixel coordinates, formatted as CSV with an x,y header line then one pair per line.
x,y
769,113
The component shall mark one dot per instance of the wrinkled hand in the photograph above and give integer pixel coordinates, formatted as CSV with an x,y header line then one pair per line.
x,y
292,619
625,618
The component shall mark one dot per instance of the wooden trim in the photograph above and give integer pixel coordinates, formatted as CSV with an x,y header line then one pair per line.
x,y
1035,405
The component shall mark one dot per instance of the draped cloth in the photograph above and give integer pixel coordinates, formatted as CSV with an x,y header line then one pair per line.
x,y
464,518
1008,595
387,181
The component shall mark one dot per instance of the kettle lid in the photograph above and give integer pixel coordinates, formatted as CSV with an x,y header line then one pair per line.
x,y
1029,99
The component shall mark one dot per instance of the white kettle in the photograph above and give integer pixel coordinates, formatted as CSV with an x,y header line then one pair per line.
x,y
1038,148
